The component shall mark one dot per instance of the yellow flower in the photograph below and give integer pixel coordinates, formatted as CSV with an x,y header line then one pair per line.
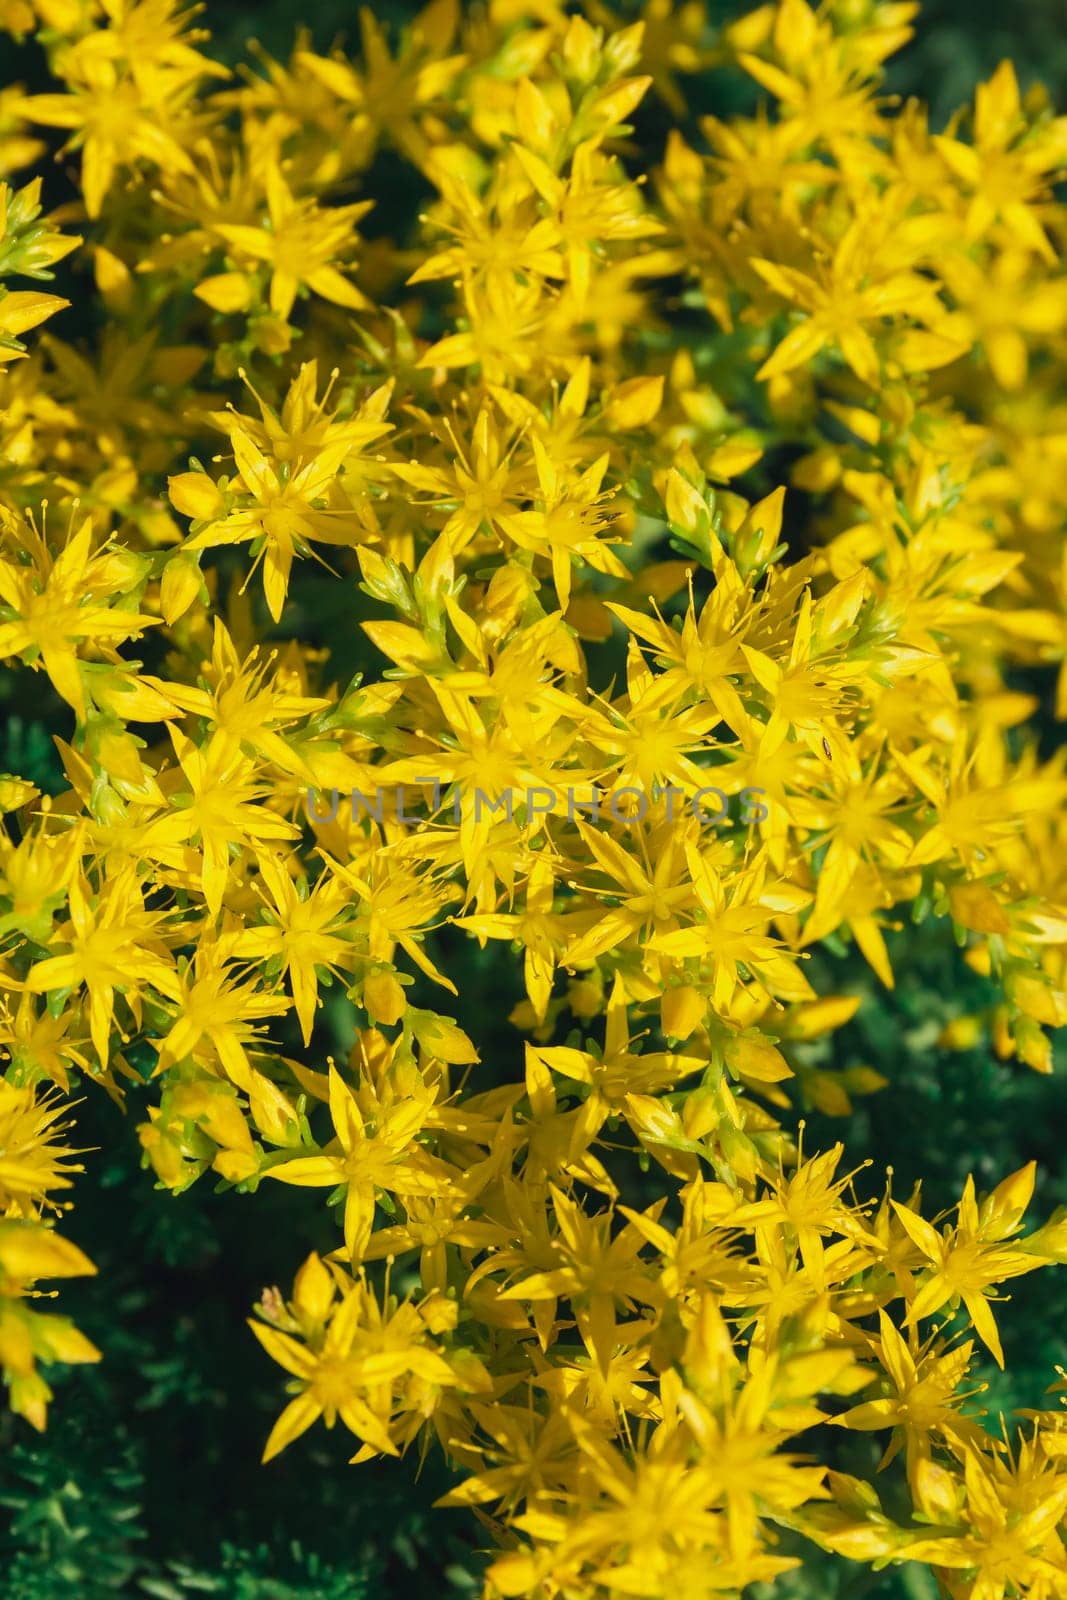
x,y
301,933
287,509
844,302
217,806
115,945
553,584
56,605
301,244
970,1258
387,1157
117,120
367,1353
1009,166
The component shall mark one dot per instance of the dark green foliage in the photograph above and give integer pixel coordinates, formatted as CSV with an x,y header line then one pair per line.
x,y
148,1479
946,1113
73,1500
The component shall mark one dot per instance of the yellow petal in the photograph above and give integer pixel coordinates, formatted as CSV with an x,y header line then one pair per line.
x,y
296,1419
226,292
195,495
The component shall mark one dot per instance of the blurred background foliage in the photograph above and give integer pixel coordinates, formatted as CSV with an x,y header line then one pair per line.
x,y
957,41
148,1480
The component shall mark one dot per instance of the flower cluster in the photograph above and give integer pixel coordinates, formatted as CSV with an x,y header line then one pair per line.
x,y
727,465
